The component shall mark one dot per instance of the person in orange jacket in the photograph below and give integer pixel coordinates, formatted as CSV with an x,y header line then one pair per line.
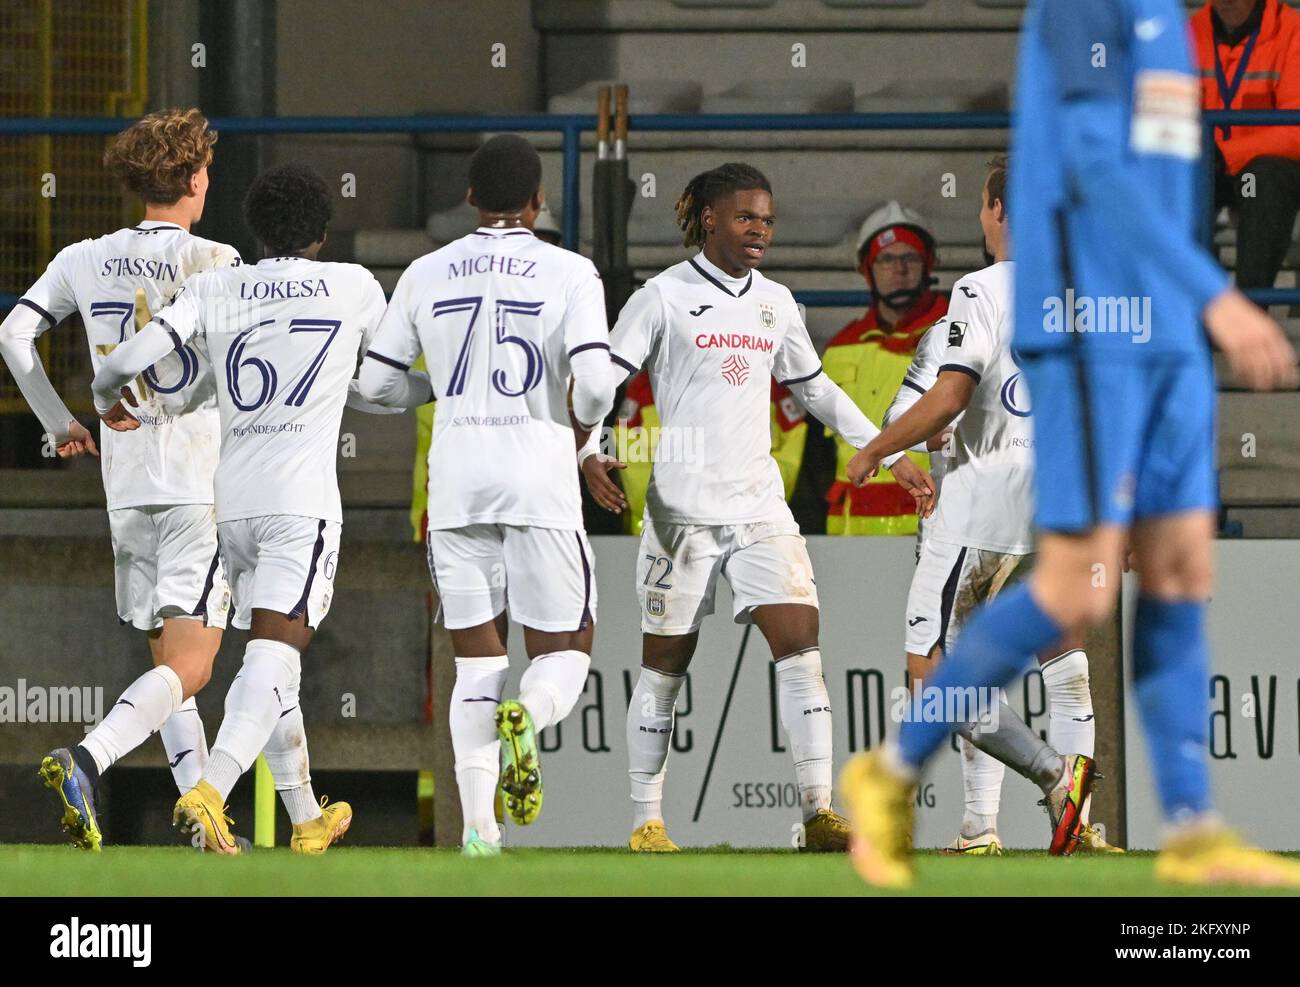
x,y
1248,52
896,255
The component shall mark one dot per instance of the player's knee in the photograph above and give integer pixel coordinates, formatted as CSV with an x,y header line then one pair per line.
x,y
1187,577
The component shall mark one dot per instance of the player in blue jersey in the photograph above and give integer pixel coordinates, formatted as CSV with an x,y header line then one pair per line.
x,y
1111,291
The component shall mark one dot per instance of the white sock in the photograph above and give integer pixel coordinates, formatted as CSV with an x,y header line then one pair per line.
x,y
143,708
981,778
253,705
186,745
806,715
649,738
551,685
286,756
1071,728
479,684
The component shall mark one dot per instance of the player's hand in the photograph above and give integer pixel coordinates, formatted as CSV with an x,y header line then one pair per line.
x,y
1257,349
918,483
118,418
596,468
78,443
863,466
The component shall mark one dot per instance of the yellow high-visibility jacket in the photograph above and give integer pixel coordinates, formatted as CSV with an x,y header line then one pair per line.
x,y
868,361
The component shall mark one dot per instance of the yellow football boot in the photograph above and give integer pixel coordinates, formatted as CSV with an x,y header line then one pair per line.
x,y
521,768
1216,856
651,837
321,833
65,778
826,832
201,815
880,811
1091,841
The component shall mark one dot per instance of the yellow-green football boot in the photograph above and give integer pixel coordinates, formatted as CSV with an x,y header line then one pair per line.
x,y
521,769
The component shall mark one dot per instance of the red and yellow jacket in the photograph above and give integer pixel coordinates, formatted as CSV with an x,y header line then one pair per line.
x,y
1271,80
636,434
868,361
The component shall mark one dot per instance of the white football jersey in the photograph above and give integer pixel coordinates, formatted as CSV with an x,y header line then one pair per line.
x,y
285,336
497,314
711,342
171,457
987,499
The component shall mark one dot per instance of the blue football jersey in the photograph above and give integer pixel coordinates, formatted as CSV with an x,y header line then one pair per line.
x,y
1104,187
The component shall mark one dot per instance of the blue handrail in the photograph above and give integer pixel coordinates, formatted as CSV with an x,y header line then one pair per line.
x,y
572,127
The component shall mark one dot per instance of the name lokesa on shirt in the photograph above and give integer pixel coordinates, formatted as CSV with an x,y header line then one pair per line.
x,y
285,337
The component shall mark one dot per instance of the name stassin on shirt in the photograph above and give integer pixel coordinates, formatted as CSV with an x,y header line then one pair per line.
x,y
152,268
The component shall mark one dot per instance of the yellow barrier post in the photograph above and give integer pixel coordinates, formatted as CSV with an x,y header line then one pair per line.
x,y
263,805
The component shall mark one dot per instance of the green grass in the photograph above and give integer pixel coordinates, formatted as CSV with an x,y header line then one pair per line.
x,y
121,871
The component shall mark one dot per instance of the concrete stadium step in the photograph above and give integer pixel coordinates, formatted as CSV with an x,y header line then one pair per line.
x,y
553,16
869,60
1259,448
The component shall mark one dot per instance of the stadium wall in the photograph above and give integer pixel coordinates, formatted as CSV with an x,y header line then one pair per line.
x,y
364,685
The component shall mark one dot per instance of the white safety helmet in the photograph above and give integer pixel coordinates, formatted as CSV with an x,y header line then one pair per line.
x,y
892,213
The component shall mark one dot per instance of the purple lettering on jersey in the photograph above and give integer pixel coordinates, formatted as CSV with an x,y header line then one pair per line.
x,y
154,269
310,288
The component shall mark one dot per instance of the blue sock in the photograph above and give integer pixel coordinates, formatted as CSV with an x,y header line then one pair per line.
x,y
999,640
1171,666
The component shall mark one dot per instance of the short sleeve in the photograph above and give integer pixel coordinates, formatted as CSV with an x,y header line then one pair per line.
x,y
396,342
373,306
971,335
585,327
796,359
639,327
53,297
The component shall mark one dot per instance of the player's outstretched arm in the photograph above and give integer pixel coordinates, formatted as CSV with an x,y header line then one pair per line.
x,y
129,359
18,335
929,416
388,390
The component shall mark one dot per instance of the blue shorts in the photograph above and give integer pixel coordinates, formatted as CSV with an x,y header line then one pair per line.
x,y
1118,441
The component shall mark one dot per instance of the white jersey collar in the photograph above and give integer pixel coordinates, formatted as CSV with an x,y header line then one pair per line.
x,y
494,231
720,278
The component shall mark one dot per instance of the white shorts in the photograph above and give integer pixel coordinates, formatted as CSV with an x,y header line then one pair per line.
x,y
677,572
280,562
165,564
545,576
949,582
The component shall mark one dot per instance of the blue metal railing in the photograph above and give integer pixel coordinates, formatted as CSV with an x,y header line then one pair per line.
x,y
572,126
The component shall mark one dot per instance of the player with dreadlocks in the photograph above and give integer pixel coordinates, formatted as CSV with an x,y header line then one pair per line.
x,y
711,330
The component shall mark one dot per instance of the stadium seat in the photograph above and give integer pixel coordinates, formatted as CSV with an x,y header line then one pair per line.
x,y
920,95
644,96
724,3
862,4
783,96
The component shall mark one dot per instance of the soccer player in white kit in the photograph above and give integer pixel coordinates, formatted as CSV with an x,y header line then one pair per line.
x,y
504,321
285,337
964,378
712,330
158,481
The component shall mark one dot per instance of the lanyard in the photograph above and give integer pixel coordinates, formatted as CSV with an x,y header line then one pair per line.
x,y
1227,92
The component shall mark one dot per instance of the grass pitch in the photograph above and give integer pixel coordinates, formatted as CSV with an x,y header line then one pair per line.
x,y
127,871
